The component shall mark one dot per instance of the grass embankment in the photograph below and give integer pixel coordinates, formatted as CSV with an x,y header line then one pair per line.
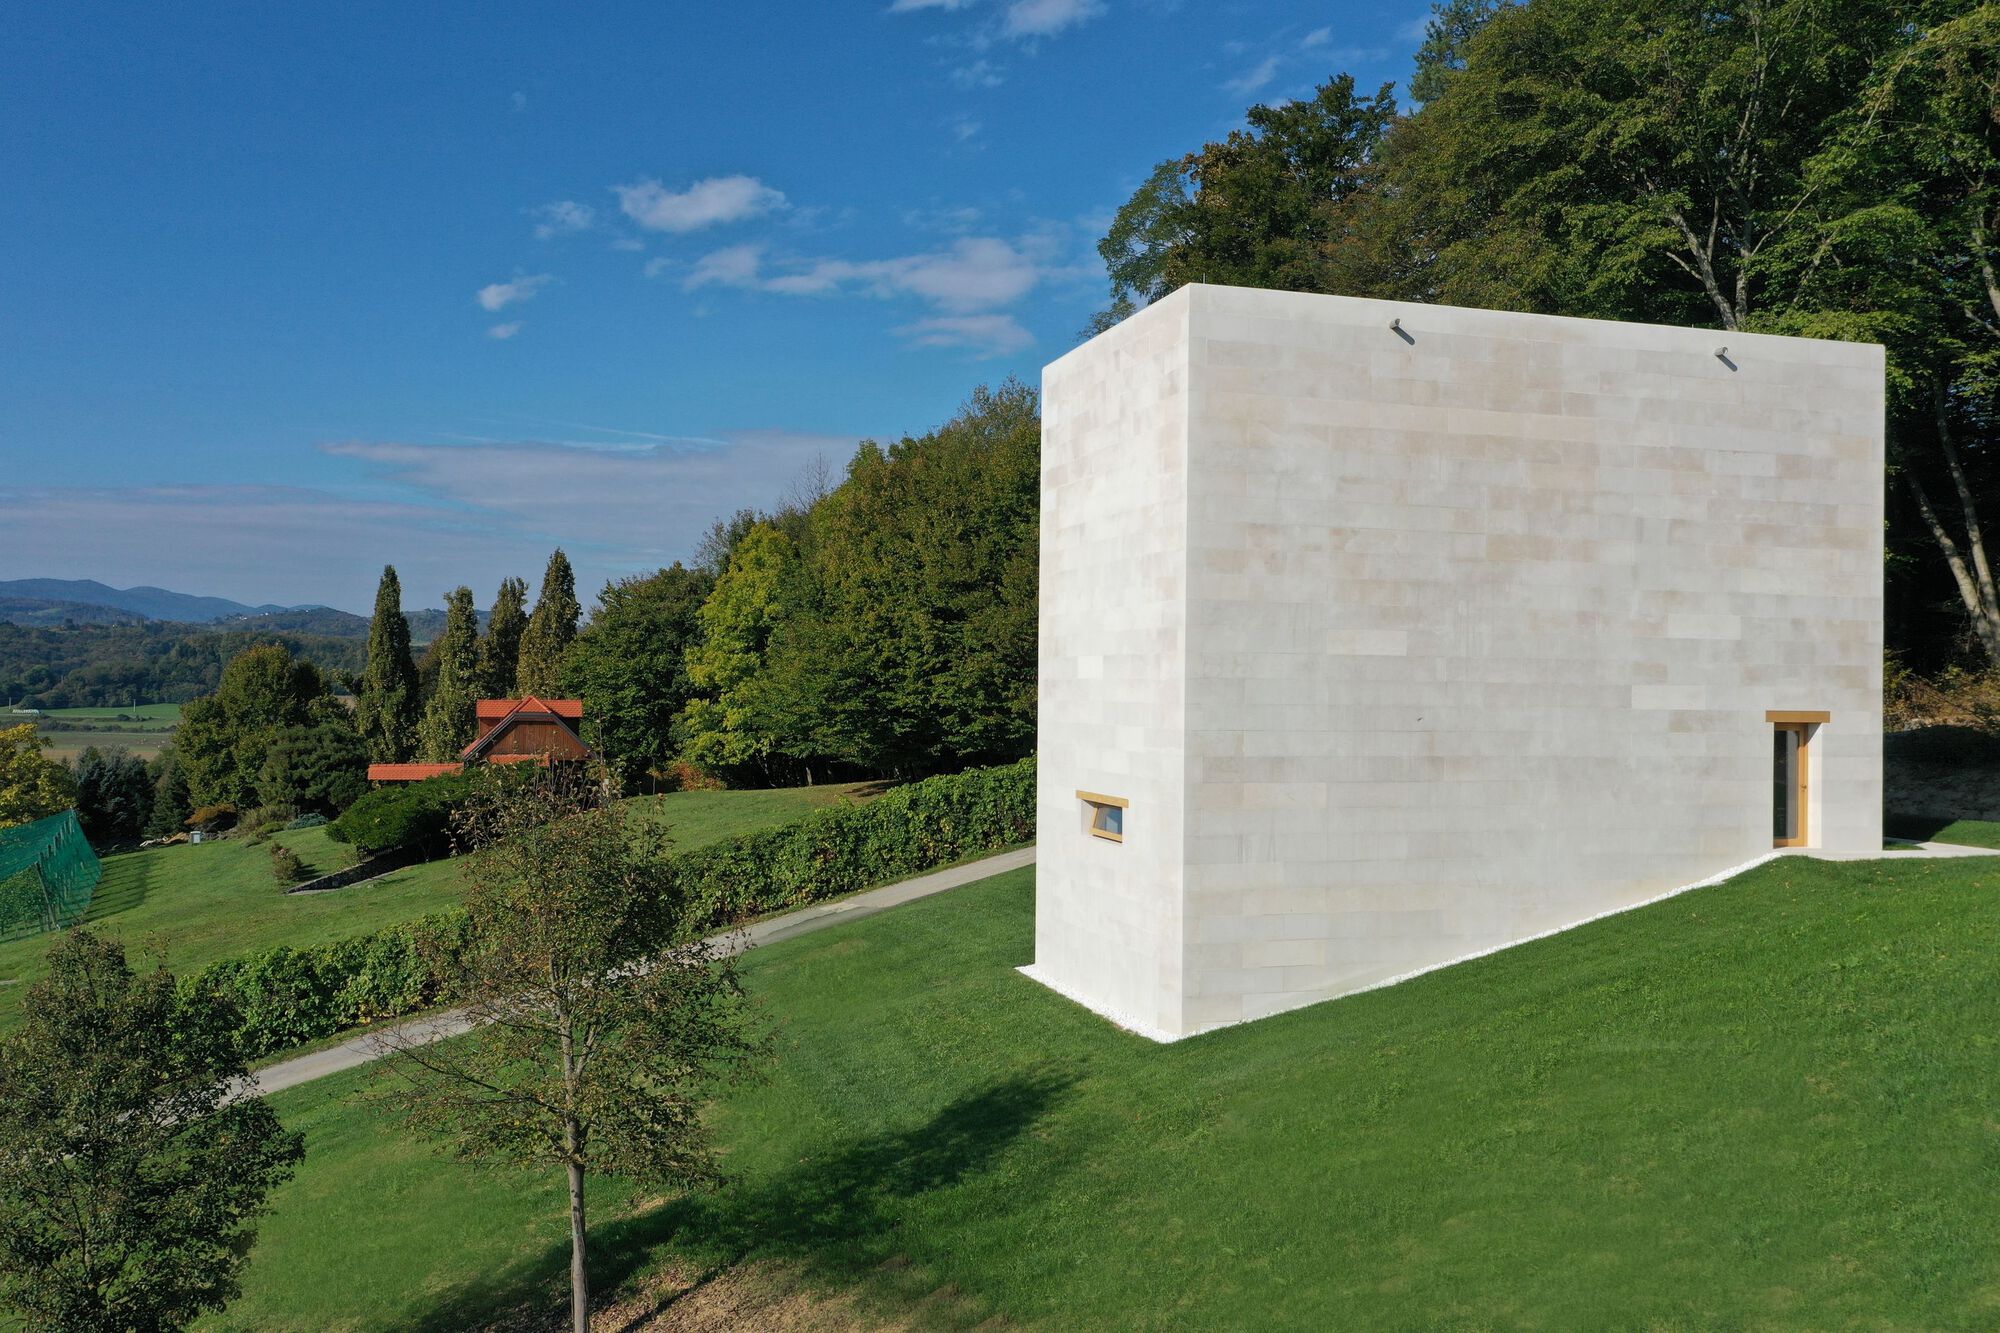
x,y
1766,1104
188,906
1963,832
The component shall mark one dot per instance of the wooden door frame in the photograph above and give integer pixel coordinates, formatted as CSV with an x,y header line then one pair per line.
x,y
1801,780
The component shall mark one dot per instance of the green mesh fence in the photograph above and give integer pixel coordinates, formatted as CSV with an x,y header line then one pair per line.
x,y
47,874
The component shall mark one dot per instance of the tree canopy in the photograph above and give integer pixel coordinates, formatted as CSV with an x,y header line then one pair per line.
x,y
550,630
131,1179
387,705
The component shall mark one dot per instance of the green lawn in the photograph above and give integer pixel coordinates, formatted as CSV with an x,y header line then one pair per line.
x,y
189,906
1769,1104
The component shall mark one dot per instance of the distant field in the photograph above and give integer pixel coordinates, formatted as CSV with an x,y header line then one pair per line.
x,y
141,728
168,714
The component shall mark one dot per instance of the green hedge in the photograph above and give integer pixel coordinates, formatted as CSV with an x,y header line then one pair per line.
x,y
412,815
288,997
905,831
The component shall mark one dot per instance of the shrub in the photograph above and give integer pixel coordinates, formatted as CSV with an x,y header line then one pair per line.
x,y
905,831
313,820
683,776
213,818
416,816
285,864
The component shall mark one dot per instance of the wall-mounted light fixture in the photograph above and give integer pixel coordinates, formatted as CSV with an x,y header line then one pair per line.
x,y
1722,354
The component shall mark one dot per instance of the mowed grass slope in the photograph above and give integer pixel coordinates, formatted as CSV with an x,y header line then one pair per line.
x,y
1774,1103
188,906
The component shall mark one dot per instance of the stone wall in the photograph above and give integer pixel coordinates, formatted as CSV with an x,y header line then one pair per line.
x,y
1481,620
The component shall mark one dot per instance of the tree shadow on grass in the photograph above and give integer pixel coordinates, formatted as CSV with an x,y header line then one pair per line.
x,y
837,1214
128,879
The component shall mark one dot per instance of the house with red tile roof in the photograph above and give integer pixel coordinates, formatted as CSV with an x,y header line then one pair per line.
x,y
510,731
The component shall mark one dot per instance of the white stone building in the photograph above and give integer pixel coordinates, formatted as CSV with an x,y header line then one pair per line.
x,y
1378,635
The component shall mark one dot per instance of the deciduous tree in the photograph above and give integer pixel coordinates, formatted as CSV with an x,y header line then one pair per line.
x,y
32,785
129,1180
629,666
601,1030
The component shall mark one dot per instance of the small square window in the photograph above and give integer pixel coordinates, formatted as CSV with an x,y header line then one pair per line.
x,y
1106,815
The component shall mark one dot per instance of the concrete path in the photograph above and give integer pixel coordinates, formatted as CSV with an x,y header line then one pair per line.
x,y
1914,851
368,1047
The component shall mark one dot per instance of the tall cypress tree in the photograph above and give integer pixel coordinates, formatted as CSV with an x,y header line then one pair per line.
x,y
386,712
500,650
550,630
448,723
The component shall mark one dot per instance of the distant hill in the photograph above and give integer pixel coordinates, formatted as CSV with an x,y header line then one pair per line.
x,y
47,611
303,620
149,603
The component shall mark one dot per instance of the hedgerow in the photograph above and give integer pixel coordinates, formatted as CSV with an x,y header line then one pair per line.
x,y
288,997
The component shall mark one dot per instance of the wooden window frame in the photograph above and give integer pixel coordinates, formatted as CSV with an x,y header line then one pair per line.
x,y
1097,802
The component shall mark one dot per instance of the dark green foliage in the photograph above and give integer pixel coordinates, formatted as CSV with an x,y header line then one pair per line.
x,y
409,816
550,631
171,804
890,627
225,743
448,722
317,768
106,666
500,649
286,867
114,796
387,704
629,666
1269,206
128,1184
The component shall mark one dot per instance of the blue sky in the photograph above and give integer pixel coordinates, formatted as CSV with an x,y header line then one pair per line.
x,y
288,292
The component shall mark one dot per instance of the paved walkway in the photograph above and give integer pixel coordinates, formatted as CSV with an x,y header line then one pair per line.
x,y
1914,851
367,1048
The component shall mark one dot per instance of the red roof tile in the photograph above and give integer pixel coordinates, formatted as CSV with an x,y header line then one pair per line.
x,y
410,772
499,708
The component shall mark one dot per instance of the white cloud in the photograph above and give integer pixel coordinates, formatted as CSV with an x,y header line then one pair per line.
x,y
628,244
1255,79
965,128
979,74
565,217
496,296
1045,18
974,273
989,335
502,332
1317,37
907,6
657,265
706,203
736,266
